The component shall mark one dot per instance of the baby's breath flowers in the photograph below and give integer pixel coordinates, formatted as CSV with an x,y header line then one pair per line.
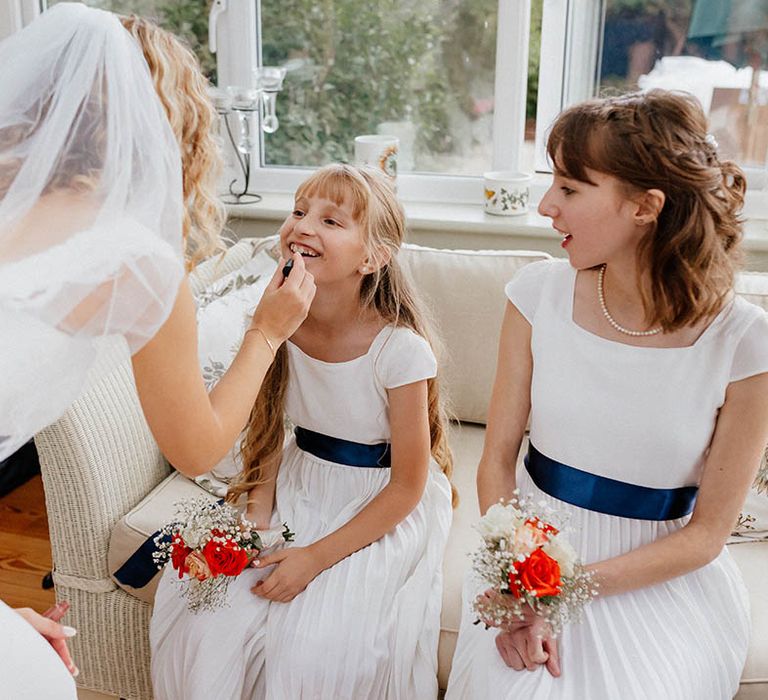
x,y
528,564
208,544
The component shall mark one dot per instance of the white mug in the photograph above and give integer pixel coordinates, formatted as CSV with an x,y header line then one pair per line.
x,y
507,192
379,151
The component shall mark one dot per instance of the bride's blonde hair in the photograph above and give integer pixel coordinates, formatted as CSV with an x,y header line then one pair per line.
x,y
183,91
387,291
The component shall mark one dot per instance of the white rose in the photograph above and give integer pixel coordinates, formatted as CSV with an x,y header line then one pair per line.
x,y
499,521
561,550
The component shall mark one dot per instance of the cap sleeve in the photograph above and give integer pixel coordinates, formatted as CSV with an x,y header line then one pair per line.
x,y
524,289
405,358
751,356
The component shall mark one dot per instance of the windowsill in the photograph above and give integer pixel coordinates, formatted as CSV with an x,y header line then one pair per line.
x,y
464,218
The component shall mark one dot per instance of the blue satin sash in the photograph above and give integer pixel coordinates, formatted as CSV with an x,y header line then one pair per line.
x,y
353,454
140,568
604,495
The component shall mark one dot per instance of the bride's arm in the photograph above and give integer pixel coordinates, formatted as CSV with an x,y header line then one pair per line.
x,y
194,429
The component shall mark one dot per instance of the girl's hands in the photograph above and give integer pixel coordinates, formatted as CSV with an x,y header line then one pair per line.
x,y
529,646
527,643
296,567
286,301
53,632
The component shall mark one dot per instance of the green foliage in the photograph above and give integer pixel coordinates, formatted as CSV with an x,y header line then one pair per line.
x,y
187,19
351,66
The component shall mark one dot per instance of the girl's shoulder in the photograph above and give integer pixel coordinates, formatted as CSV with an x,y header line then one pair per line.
x,y
403,357
745,329
526,288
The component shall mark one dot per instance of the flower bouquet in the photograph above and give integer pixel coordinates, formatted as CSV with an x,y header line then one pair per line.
x,y
208,544
528,564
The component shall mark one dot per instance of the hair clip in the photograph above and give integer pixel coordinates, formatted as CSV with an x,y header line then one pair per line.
x,y
711,140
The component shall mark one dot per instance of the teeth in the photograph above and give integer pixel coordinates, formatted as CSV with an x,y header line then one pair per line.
x,y
301,250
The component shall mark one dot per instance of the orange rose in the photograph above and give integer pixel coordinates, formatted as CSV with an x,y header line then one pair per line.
x,y
226,557
539,574
197,566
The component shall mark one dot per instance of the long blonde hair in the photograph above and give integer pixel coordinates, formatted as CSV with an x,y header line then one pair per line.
x,y
387,291
182,88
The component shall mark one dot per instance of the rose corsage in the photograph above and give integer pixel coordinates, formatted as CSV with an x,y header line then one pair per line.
x,y
209,544
528,565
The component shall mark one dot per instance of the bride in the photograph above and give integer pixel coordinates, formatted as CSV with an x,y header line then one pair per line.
x,y
106,199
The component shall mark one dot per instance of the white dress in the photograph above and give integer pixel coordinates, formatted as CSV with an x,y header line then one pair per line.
x,y
643,416
368,627
31,669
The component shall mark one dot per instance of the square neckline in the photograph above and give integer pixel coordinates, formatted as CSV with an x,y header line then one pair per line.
x,y
714,322
343,362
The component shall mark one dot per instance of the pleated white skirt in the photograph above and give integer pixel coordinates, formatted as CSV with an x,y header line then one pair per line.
x,y
684,639
367,628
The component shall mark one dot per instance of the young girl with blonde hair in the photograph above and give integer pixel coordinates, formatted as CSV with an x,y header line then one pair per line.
x,y
646,380
352,608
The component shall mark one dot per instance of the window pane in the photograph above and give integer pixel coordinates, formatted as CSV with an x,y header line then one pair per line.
x,y
185,18
706,47
420,70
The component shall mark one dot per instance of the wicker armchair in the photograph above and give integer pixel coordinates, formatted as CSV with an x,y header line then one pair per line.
x,y
98,461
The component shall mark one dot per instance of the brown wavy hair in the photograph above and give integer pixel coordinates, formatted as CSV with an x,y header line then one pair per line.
x,y
183,91
658,140
387,291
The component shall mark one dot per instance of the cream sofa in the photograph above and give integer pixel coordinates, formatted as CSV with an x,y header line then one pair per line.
x,y
100,462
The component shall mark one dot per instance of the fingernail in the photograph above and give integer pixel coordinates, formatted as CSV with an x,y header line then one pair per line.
x,y
256,562
69,631
75,671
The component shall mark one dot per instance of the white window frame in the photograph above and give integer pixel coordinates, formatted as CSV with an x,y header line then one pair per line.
x,y
239,53
571,49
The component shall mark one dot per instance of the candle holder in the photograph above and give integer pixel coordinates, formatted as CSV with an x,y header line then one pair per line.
x,y
252,106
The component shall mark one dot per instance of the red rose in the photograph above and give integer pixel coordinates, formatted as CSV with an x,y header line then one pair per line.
x,y
179,552
539,574
225,557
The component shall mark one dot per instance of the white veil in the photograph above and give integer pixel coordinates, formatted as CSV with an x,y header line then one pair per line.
x,y
90,209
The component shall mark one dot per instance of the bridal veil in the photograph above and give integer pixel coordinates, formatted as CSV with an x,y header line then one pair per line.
x,y
90,209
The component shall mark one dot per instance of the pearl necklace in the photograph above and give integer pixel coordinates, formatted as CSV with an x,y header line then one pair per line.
x,y
608,317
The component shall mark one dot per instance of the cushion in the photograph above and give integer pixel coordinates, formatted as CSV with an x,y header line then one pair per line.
x,y
753,523
141,523
752,559
224,308
467,445
464,290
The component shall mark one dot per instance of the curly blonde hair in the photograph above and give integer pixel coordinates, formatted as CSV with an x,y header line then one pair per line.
x,y
183,91
658,140
387,291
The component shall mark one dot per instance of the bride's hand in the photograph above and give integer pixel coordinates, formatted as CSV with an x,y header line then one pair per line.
x,y
285,303
54,633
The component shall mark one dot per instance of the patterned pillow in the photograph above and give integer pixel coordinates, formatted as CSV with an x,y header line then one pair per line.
x,y
753,521
224,309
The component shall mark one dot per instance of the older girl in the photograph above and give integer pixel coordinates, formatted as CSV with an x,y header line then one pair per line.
x,y
646,380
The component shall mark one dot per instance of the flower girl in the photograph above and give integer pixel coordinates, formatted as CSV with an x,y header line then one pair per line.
x,y
352,609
